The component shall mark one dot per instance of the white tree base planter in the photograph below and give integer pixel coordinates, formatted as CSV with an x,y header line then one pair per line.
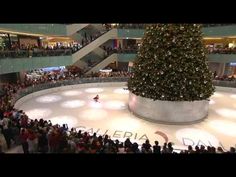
x,y
168,112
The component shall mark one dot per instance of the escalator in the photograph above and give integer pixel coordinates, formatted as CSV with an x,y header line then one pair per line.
x,y
73,28
111,34
102,63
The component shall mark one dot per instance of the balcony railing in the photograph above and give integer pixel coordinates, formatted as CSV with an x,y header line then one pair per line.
x,y
34,53
213,25
222,51
225,83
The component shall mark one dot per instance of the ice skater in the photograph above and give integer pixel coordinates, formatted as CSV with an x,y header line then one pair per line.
x,y
96,98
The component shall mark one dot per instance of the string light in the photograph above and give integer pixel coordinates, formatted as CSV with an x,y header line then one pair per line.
x,y
173,58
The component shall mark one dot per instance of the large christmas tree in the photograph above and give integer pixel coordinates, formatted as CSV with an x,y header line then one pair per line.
x,y
171,64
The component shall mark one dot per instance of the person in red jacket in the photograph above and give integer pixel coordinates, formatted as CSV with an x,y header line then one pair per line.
x,y
23,137
96,98
24,121
32,145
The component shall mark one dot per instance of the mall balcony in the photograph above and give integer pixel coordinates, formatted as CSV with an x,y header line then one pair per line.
x,y
98,35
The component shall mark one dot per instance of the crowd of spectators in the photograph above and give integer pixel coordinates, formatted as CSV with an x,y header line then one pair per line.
x,y
39,77
34,51
36,135
28,51
209,149
225,78
143,26
225,50
214,25
41,136
110,74
120,50
131,26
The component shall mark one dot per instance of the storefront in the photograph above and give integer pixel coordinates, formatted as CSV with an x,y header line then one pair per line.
x,y
5,41
14,41
130,65
223,69
26,41
105,72
230,69
57,42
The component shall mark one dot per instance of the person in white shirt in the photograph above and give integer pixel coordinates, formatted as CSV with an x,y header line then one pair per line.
x,y
2,141
6,131
5,122
1,124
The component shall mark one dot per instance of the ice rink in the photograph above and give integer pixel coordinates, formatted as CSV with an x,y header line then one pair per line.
x,y
111,116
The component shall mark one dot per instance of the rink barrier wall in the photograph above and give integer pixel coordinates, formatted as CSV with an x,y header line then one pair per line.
x,y
46,88
43,89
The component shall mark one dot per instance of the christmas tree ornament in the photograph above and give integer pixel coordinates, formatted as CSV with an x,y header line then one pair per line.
x,y
172,58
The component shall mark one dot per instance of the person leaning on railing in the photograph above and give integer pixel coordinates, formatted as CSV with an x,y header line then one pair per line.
x,y
225,50
34,52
